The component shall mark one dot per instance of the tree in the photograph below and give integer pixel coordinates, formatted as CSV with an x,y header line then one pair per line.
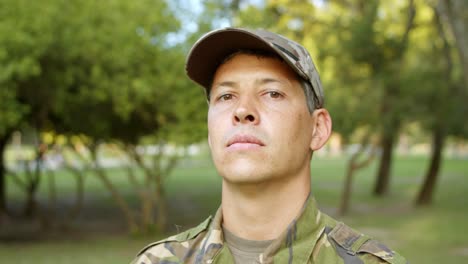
x,y
134,91
23,38
443,89
384,61
105,71
377,75
456,13
368,51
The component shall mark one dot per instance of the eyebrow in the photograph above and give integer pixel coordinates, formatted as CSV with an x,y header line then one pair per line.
x,y
225,83
258,81
269,80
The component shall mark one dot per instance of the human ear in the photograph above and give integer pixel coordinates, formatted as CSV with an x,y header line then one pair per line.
x,y
322,128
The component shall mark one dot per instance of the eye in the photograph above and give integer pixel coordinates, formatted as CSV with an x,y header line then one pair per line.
x,y
274,94
225,97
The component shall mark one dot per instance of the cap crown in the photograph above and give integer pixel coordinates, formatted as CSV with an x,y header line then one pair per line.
x,y
208,52
297,57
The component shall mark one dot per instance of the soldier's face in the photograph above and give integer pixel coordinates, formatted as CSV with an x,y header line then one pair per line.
x,y
259,126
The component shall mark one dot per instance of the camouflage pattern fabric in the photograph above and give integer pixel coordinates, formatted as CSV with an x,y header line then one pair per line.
x,y
214,46
297,57
313,237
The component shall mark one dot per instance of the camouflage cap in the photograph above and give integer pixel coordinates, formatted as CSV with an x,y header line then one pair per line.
x,y
211,49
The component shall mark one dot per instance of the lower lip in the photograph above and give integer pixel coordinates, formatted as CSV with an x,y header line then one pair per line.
x,y
243,146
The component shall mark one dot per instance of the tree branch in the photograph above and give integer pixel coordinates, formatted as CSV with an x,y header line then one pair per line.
x,y
409,25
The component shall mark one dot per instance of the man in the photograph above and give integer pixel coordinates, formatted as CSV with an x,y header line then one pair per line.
x,y
265,119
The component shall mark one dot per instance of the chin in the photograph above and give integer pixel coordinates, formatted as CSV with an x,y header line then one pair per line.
x,y
239,168
244,179
242,174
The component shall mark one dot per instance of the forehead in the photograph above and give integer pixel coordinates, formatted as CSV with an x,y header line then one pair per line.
x,y
247,65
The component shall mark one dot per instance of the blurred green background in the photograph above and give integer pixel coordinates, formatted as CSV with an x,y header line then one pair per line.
x,y
103,137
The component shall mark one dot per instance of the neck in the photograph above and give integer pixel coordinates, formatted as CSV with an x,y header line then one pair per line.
x,y
262,211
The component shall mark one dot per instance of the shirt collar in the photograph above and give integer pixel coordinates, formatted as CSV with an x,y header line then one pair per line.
x,y
213,241
295,244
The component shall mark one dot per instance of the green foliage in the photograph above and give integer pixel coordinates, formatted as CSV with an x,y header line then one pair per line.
x,y
370,53
11,111
378,68
431,78
22,41
101,68
120,74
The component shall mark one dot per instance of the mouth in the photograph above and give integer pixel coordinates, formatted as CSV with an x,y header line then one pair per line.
x,y
241,142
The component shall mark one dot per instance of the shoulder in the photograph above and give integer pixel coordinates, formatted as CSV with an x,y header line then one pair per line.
x,y
350,243
174,248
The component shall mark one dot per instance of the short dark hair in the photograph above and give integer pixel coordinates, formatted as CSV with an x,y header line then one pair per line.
x,y
306,86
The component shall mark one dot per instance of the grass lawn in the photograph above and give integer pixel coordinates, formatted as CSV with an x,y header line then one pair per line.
x,y
436,234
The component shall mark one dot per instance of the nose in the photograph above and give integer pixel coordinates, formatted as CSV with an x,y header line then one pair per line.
x,y
246,113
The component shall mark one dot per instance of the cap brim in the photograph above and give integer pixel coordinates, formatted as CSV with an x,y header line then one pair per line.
x,y
210,50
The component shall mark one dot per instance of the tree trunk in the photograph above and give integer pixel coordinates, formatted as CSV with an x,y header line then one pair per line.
x,y
161,220
147,212
427,189
79,174
49,218
144,190
118,198
455,12
32,187
30,207
3,200
78,205
383,177
390,100
439,134
353,166
346,196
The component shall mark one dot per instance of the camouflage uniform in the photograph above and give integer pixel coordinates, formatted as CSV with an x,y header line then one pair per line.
x,y
313,237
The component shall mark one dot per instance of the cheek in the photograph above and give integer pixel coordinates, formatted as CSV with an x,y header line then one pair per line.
x,y
302,128
211,119
209,140
215,128
211,131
